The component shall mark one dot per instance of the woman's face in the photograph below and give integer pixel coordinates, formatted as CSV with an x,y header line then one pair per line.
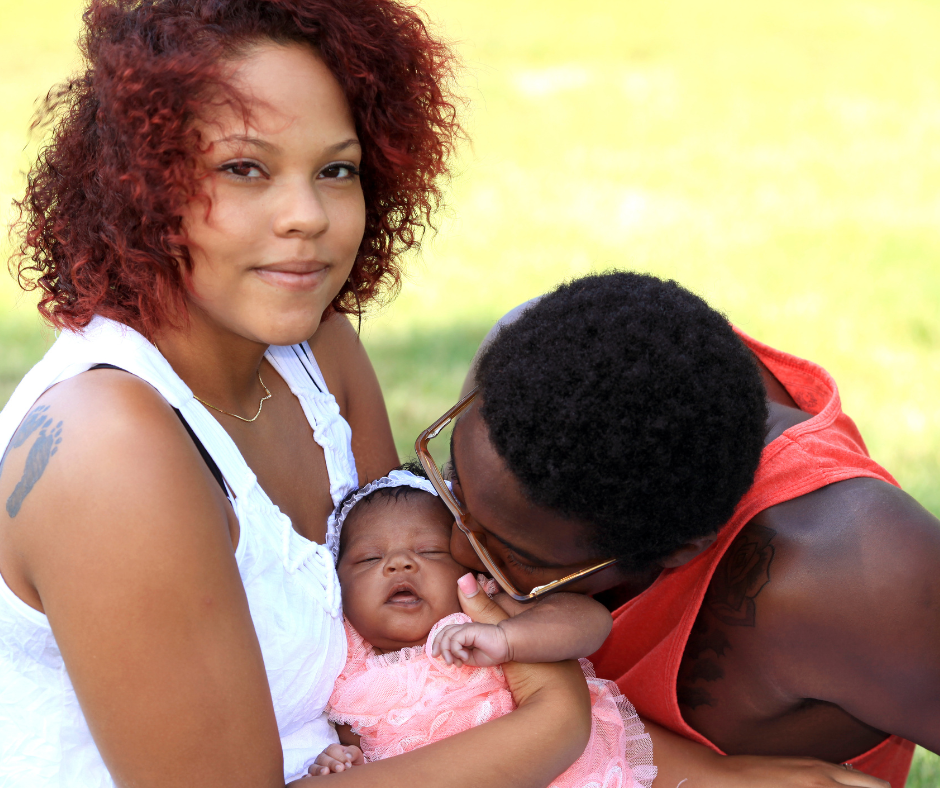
x,y
532,545
286,213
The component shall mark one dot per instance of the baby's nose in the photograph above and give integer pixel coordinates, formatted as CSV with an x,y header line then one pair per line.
x,y
402,561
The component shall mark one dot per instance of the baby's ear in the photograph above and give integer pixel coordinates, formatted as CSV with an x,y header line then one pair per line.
x,y
478,606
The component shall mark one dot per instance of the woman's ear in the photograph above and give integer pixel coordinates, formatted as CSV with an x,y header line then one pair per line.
x,y
688,551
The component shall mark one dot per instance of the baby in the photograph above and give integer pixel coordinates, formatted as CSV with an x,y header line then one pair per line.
x,y
418,670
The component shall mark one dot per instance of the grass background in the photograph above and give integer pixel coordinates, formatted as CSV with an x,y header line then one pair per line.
x,y
782,159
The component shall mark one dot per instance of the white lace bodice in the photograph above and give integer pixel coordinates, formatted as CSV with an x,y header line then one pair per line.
x,y
291,584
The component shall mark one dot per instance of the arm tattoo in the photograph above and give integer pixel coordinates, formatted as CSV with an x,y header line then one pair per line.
x,y
741,576
46,444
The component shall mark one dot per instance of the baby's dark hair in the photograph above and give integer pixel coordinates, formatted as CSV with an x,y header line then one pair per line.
x,y
385,493
626,402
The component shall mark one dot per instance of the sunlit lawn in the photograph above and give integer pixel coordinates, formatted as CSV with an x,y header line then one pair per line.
x,y
781,159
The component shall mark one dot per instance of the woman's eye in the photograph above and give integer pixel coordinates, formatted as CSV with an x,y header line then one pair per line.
x,y
343,170
244,169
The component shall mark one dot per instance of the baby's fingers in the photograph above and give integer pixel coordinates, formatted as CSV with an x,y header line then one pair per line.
x,y
336,758
749,771
356,754
449,645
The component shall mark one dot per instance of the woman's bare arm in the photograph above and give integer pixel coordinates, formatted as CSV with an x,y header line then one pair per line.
x,y
548,731
692,765
127,543
352,380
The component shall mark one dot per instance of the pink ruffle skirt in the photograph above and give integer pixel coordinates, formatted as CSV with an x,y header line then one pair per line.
x,y
405,699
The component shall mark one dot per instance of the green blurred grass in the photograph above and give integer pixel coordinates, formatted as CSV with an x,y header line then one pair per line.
x,y
779,158
925,771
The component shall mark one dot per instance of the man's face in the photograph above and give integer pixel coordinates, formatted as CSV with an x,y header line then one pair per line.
x,y
532,544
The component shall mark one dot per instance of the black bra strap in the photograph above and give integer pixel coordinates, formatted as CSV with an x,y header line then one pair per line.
x,y
213,468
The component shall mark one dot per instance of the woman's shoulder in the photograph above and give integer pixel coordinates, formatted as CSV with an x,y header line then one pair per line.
x,y
103,418
349,375
338,351
99,460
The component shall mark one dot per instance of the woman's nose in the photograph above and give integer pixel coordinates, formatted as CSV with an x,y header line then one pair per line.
x,y
300,211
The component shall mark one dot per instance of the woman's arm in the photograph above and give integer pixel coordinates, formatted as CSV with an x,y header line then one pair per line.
x,y
548,731
127,544
692,765
349,374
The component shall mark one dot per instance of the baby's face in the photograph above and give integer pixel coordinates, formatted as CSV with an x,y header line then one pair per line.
x,y
396,571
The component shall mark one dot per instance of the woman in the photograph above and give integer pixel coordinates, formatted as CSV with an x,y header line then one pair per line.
x,y
224,181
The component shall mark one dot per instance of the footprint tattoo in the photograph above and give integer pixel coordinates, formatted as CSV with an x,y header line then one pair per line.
x,y
46,445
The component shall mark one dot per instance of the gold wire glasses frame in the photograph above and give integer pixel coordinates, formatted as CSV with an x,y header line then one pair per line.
x,y
461,515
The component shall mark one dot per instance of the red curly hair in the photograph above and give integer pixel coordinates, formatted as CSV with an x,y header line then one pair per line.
x,y
100,224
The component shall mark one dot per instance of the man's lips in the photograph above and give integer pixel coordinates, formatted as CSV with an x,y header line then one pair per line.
x,y
403,595
294,274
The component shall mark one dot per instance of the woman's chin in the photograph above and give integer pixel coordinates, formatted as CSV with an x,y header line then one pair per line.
x,y
292,336
286,329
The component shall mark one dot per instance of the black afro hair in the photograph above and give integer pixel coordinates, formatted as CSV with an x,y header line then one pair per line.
x,y
628,403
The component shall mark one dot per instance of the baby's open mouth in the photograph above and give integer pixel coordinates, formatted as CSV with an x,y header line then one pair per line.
x,y
403,595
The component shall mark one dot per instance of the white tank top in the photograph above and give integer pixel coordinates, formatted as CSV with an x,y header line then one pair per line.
x,y
291,584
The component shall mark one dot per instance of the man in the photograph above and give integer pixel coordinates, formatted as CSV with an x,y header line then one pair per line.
x,y
775,593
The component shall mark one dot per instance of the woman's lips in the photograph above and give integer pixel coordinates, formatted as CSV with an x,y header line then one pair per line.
x,y
300,275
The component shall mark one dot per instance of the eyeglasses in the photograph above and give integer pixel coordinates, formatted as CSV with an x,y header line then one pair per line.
x,y
461,515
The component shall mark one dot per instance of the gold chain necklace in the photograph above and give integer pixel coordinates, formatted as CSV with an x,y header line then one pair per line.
x,y
265,398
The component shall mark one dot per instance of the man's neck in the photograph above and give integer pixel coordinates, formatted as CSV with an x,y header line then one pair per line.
x,y
619,595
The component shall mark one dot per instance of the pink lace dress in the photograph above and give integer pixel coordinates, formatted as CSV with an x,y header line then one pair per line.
x,y
405,699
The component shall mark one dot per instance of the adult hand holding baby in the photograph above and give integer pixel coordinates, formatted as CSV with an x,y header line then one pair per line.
x,y
526,680
561,626
482,643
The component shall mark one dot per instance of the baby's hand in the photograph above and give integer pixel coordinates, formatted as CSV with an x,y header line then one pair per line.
x,y
336,758
481,645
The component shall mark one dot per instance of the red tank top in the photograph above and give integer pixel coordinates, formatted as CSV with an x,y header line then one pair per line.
x,y
644,650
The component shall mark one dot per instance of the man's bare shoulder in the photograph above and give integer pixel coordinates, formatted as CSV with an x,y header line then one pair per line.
x,y
851,611
849,534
